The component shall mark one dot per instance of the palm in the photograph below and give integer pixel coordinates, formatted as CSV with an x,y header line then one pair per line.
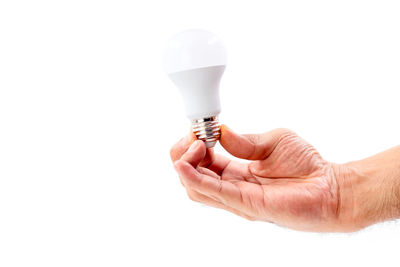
x,y
293,181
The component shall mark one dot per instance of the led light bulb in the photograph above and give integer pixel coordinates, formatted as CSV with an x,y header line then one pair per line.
x,y
195,61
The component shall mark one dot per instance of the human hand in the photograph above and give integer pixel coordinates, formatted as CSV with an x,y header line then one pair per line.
x,y
285,181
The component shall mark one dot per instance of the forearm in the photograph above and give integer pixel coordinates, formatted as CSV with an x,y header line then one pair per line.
x,y
373,187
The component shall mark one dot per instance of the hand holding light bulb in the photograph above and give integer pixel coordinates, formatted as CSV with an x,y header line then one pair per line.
x,y
284,179
287,182
195,61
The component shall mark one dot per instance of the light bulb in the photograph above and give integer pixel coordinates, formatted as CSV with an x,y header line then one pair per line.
x,y
195,61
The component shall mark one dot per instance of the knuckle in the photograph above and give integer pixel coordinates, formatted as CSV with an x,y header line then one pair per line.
x,y
249,218
285,131
182,183
192,196
245,216
255,139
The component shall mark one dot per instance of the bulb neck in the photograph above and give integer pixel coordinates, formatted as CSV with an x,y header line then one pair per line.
x,y
207,129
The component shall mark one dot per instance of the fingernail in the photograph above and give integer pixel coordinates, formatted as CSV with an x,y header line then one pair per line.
x,y
225,128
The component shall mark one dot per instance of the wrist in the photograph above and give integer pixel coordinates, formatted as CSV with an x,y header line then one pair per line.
x,y
382,186
351,210
370,189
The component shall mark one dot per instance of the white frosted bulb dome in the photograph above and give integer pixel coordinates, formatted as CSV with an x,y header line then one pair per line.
x,y
195,61
193,49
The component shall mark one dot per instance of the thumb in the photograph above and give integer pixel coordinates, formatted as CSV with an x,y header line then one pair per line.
x,y
251,146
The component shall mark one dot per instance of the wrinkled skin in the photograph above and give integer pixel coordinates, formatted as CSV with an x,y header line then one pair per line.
x,y
284,181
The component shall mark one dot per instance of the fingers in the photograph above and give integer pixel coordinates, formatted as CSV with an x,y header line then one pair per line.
x,y
181,146
250,146
195,154
217,165
208,158
204,185
226,192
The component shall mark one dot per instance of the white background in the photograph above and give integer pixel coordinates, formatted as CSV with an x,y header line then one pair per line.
x,y
87,118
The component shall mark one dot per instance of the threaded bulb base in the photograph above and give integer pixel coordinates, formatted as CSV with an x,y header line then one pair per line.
x,y
207,130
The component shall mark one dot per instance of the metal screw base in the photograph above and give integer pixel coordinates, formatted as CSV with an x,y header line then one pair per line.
x,y
207,130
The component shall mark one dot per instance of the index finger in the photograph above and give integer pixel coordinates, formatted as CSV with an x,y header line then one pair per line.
x,y
182,146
